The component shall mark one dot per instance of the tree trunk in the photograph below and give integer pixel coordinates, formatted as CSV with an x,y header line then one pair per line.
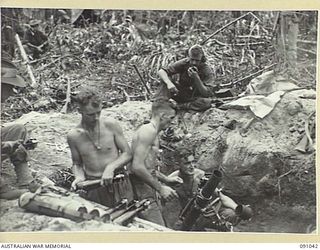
x,y
281,37
287,38
293,32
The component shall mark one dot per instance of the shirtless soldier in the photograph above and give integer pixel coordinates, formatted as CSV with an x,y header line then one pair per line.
x,y
98,150
145,147
191,177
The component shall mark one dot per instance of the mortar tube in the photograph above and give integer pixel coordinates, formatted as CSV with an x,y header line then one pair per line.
x,y
120,212
125,218
211,185
123,203
202,199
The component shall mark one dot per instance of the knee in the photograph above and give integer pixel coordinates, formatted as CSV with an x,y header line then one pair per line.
x,y
14,132
20,130
19,156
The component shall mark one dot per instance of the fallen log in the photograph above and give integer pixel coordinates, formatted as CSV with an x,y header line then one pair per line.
x,y
26,61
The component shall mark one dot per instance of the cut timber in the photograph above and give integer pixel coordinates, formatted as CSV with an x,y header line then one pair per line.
x,y
26,60
64,109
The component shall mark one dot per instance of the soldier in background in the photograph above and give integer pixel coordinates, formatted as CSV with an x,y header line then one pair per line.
x,y
35,40
195,84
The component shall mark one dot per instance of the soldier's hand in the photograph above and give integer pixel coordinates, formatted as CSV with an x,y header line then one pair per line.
x,y
8,147
74,184
173,90
192,72
167,193
107,177
174,180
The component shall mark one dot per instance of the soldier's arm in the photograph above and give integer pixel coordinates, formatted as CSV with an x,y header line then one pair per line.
x,y
226,200
173,174
208,80
122,145
144,141
204,84
201,87
77,165
165,78
170,179
171,69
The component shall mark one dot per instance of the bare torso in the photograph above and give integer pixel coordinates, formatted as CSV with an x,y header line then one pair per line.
x,y
96,154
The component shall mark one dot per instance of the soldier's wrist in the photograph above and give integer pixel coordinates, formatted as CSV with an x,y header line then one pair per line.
x,y
79,178
170,85
158,187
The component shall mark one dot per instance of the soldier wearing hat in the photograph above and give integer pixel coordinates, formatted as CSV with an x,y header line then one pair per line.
x,y
35,39
13,136
9,79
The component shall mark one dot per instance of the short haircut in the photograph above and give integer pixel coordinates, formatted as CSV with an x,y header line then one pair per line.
x,y
159,107
185,151
88,95
197,50
181,154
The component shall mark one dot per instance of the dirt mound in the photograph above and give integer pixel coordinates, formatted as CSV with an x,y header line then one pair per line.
x,y
259,166
267,148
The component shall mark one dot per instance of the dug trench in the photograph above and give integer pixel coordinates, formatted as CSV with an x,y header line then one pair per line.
x,y
260,166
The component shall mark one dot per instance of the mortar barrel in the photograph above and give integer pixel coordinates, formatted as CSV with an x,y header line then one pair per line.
x,y
211,184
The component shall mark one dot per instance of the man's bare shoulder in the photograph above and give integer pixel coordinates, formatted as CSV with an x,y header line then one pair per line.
x,y
75,133
110,123
146,129
198,173
146,132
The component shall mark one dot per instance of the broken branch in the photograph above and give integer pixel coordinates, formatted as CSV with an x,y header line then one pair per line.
x,y
142,80
307,42
225,26
125,93
308,51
